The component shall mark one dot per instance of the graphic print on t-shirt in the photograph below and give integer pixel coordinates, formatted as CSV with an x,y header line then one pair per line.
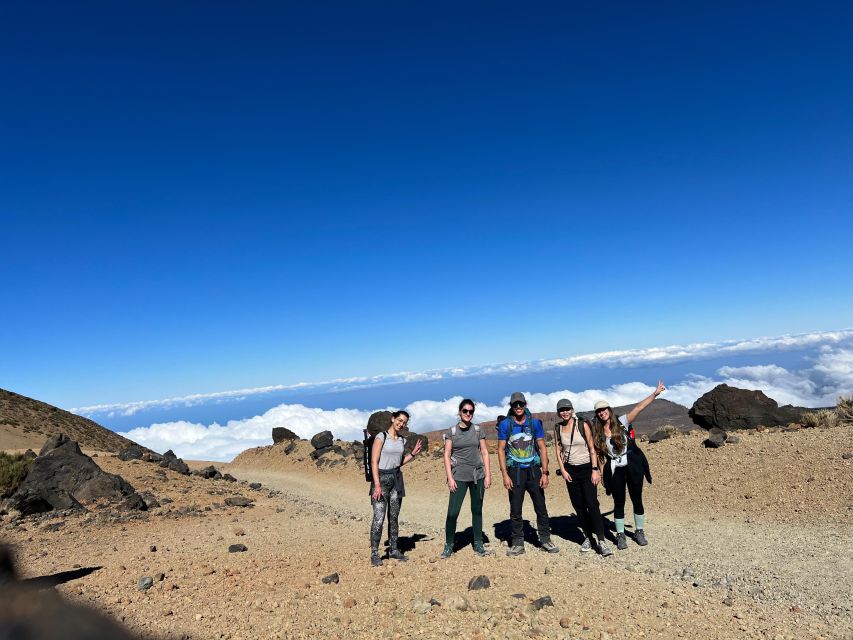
x,y
520,447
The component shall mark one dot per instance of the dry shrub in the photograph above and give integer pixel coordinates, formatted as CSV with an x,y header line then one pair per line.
x,y
844,410
13,469
823,418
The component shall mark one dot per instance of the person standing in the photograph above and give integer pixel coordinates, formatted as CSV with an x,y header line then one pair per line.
x,y
624,464
579,467
523,459
387,489
466,465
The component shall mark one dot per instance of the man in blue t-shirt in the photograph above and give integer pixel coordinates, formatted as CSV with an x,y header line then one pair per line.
x,y
524,464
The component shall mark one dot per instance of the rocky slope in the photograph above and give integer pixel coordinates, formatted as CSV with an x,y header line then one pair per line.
x,y
25,422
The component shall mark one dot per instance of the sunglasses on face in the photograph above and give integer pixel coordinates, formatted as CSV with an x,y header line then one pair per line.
x,y
468,412
516,405
565,410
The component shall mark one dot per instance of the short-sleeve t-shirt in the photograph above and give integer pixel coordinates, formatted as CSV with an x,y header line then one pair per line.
x,y
620,458
521,441
392,452
466,463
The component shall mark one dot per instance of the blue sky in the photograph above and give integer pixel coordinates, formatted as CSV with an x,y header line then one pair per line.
x,y
199,197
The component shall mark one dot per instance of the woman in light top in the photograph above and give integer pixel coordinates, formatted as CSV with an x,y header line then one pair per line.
x,y
466,465
623,463
387,490
579,467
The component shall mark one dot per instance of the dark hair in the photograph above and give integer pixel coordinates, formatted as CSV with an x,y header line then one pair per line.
x,y
401,412
466,401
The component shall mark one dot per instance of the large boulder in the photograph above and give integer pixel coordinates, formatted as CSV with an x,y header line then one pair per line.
x,y
280,434
378,421
322,440
728,408
173,462
131,452
62,477
412,438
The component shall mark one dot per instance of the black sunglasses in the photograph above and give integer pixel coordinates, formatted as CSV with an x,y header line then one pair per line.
x,y
517,404
468,412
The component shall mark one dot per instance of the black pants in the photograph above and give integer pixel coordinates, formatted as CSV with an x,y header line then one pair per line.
x,y
527,480
584,498
622,479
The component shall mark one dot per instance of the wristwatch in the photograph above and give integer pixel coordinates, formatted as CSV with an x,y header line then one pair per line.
x,y
546,472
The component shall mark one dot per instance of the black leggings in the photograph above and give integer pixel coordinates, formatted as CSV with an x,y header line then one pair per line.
x,y
622,479
584,498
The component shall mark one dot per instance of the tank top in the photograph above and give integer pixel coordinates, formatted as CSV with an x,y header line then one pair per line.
x,y
575,451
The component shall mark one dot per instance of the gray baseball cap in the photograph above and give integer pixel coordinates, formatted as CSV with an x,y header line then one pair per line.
x,y
564,403
517,397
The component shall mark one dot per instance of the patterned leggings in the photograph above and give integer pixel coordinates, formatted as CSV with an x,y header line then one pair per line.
x,y
389,502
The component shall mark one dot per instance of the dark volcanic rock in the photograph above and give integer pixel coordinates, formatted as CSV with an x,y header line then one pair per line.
x,y
237,548
229,477
333,578
379,421
716,438
171,461
322,440
319,453
659,435
290,447
208,472
479,582
132,452
412,438
544,601
280,434
732,408
62,476
238,501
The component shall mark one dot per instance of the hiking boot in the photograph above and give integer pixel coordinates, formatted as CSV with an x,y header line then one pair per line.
x,y
447,552
586,546
481,551
396,554
640,538
516,549
375,560
621,543
550,547
604,549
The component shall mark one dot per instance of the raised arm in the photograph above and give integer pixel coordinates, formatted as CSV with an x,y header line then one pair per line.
x,y
645,402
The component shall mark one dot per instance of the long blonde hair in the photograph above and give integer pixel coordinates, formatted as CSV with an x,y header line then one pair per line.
x,y
617,435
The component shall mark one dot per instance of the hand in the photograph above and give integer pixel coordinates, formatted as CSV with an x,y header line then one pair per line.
x,y
596,477
566,475
451,483
377,492
487,481
543,481
507,482
660,389
417,448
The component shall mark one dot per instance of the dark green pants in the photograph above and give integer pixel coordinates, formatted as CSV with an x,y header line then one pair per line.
x,y
454,506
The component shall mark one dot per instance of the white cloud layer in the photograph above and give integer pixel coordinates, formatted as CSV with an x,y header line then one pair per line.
x,y
623,358
817,386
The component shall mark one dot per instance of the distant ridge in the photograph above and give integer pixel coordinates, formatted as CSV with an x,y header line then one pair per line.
x,y
25,422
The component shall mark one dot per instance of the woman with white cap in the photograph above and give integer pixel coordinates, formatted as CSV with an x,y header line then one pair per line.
x,y
626,465
578,462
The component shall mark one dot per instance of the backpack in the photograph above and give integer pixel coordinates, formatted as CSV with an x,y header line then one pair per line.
x,y
368,447
453,431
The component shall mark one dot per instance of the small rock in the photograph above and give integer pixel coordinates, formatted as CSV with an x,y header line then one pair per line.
x,y
153,548
686,572
419,605
239,532
237,548
349,603
479,582
732,439
565,623
456,603
238,501
728,601
333,578
847,455
160,577
520,596
145,582
544,601
254,485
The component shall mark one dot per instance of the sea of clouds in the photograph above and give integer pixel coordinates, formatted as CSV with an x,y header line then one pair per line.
x,y
829,375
